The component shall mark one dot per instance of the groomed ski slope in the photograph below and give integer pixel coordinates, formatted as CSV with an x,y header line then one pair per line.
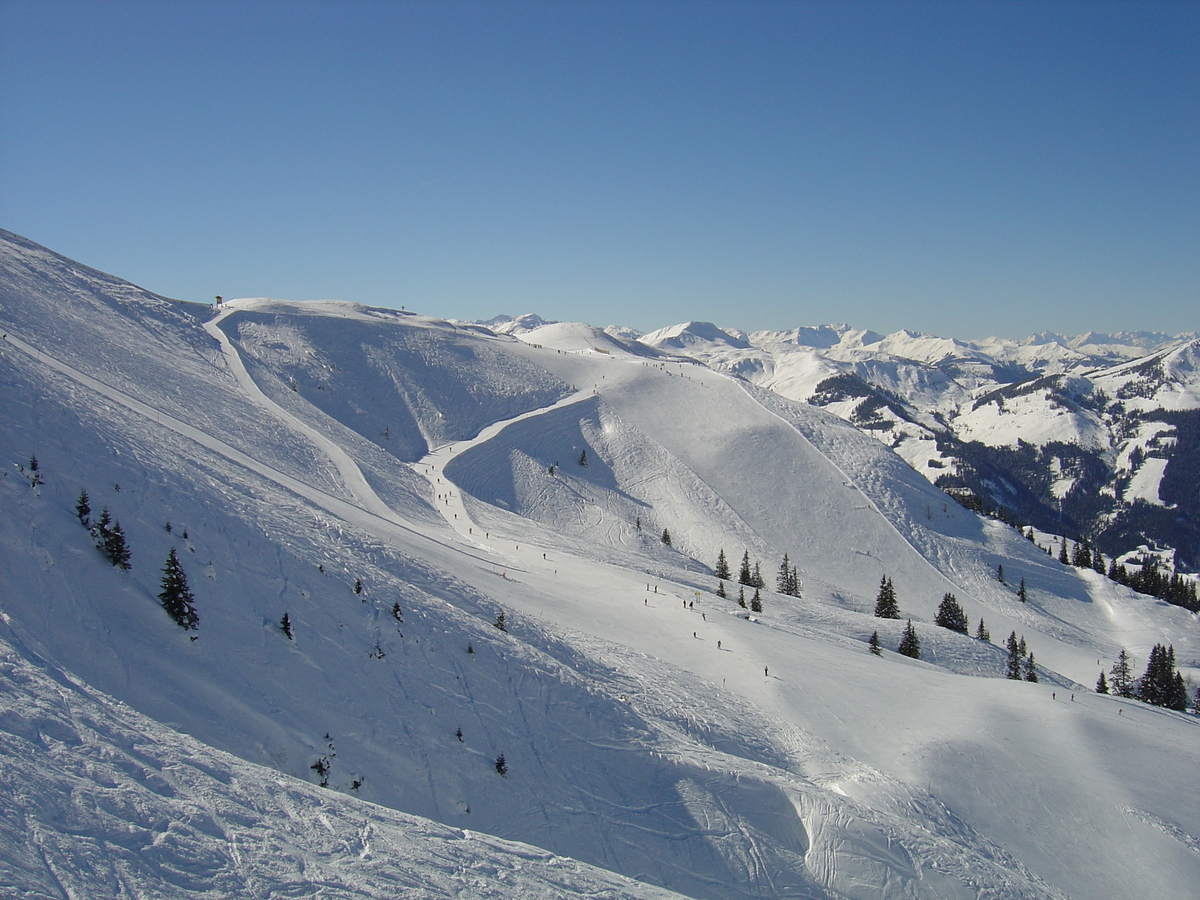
x,y
788,762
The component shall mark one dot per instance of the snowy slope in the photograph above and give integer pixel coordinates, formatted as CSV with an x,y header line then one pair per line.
x,y
100,801
302,447
1039,428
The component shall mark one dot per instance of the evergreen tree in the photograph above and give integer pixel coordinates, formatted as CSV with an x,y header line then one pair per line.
x,y
501,765
784,578
35,475
1162,685
1021,595
1030,669
1000,573
1063,556
322,767
666,537
100,527
583,458
910,644
110,539
115,547
83,509
176,597
885,604
756,579
1012,668
722,570
744,574
1098,561
950,615
358,585
1122,676
794,585
756,602
285,625
982,633
874,643
1150,688
1177,698
500,623
1102,684
742,596
721,590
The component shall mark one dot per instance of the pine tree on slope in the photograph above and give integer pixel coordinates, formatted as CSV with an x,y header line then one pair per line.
x,y
1012,668
1162,685
1121,682
744,574
722,570
910,644
950,615
115,547
885,604
784,578
176,597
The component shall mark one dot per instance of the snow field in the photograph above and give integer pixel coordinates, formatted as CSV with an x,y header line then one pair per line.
x,y
784,762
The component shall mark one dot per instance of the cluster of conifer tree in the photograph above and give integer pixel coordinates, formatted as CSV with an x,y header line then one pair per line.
x,y
105,531
887,607
910,643
951,615
175,595
1020,665
1161,685
1148,578
750,575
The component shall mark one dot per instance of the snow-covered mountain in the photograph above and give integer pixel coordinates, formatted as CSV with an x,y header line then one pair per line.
x,y
469,700
1093,436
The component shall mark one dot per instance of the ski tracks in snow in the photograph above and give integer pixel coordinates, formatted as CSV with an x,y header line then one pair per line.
x,y
366,509
350,474
448,498
374,516
448,495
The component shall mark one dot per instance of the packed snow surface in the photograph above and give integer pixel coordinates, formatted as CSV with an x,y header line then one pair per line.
x,y
400,486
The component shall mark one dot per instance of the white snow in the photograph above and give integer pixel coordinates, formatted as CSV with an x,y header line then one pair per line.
x,y
650,728
1144,483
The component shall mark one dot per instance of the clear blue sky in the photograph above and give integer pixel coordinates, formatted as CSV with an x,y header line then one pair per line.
x,y
959,168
